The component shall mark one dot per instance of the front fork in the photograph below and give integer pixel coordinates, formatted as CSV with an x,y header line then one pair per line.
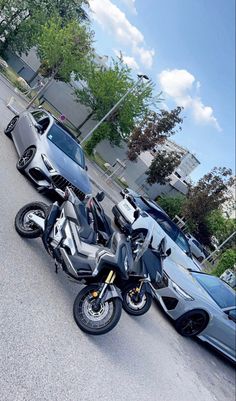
x,y
99,296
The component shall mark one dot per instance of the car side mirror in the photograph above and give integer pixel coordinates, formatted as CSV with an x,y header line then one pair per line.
x,y
100,196
168,252
86,168
38,127
136,214
232,315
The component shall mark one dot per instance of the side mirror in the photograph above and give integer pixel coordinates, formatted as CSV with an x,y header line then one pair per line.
x,y
136,214
232,315
168,252
86,168
38,127
100,196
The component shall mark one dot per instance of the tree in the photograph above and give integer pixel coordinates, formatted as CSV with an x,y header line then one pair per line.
x,y
162,167
103,89
22,21
172,205
209,194
154,129
227,261
220,227
63,49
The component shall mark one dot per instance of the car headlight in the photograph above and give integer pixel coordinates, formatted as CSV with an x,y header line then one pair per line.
x,y
48,164
181,292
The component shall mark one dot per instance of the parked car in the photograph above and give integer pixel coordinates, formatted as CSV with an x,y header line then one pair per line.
x,y
196,248
229,276
48,152
176,240
201,305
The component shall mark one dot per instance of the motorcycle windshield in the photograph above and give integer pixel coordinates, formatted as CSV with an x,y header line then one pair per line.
x,y
147,241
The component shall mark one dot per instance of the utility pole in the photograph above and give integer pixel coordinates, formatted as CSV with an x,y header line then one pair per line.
x,y
140,78
219,247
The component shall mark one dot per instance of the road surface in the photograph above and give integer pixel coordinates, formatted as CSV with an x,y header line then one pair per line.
x,y
45,356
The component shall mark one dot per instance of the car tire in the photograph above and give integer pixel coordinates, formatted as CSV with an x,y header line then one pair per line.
x,y
10,127
25,159
192,323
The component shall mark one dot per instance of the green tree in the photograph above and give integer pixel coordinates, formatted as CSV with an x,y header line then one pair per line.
x,y
227,261
209,194
154,129
162,167
103,89
172,205
220,227
63,49
22,21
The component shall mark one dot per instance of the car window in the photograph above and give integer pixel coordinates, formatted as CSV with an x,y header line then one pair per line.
x,y
219,291
59,137
41,118
182,242
197,244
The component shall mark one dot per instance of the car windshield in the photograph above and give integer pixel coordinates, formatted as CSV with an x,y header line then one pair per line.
x,y
219,291
166,224
59,137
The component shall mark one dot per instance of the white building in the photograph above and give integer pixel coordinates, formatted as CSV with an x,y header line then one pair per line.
x,y
188,160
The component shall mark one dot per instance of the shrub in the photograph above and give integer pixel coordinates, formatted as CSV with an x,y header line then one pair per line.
x,y
227,261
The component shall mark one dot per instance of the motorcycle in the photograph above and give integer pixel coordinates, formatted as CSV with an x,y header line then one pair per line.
x,y
146,274
70,240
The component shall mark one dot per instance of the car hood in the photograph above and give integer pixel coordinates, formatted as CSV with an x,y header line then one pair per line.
x,y
66,167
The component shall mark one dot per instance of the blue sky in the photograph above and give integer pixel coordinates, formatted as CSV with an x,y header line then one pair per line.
x,y
187,47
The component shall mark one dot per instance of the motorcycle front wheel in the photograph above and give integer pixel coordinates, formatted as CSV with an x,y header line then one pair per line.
x,y
92,320
23,225
133,303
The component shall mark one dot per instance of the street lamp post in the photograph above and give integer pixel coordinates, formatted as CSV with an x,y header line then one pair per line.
x,y
140,77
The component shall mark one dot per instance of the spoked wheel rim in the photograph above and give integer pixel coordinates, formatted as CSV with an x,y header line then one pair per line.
x,y
24,159
11,125
193,324
93,318
26,223
133,303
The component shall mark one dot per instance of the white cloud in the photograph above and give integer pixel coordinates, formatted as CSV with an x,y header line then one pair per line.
x,y
146,56
115,22
131,62
131,6
178,84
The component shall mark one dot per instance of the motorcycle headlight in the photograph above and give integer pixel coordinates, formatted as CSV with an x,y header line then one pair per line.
x,y
48,164
181,292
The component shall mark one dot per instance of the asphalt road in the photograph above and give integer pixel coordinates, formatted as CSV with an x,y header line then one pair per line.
x,y
45,356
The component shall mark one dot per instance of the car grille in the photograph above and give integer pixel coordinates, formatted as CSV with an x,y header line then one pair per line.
x,y
61,183
170,302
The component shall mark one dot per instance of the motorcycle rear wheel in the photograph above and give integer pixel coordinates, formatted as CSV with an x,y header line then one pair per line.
x,y
135,307
23,226
95,322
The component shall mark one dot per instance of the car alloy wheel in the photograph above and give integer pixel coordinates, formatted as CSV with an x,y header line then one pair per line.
x,y
191,323
25,159
8,130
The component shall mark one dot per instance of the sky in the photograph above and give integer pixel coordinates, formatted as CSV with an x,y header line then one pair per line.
x,y
187,48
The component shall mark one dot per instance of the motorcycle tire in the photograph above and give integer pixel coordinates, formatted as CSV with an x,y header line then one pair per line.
x,y
132,307
25,228
95,322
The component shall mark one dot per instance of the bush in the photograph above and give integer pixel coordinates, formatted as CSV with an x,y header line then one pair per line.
x,y
227,261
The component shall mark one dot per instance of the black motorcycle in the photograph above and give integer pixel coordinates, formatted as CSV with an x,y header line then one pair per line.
x,y
146,271
72,242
